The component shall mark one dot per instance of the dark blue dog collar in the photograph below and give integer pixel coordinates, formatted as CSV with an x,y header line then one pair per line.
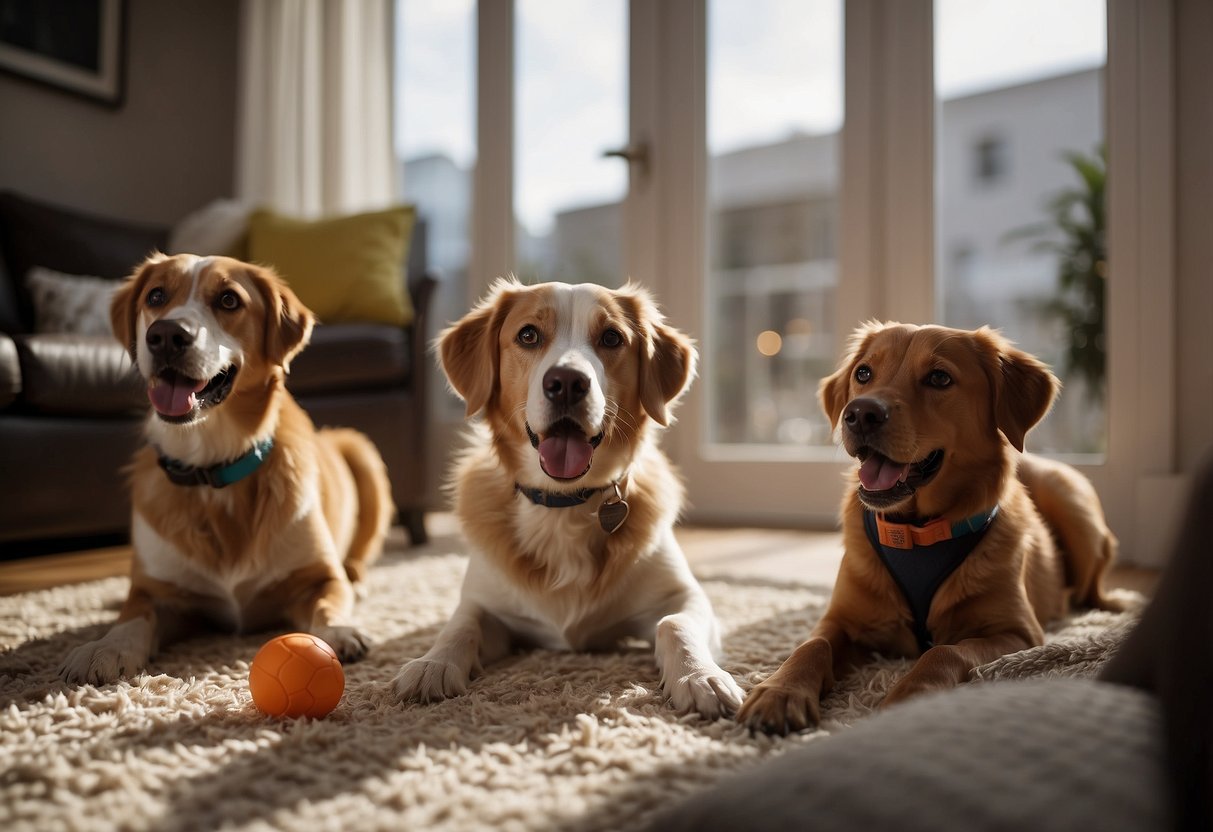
x,y
559,499
612,511
217,476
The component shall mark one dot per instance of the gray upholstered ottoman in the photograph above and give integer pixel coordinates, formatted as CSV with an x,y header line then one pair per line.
x,y
1049,754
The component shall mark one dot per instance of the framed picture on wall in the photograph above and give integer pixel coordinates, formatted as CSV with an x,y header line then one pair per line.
x,y
73,45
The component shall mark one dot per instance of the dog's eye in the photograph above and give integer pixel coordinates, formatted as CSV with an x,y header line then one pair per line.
x,y
863,373
939,379
528,336
156,297
611,339
229,300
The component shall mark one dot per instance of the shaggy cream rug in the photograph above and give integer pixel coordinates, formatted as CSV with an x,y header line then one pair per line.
x,y
543,741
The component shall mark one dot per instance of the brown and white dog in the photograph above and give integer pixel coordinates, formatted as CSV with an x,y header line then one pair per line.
x,y
564,495
244,516
958,548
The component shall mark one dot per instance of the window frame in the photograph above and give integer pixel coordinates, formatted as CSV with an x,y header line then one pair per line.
x,y
887,239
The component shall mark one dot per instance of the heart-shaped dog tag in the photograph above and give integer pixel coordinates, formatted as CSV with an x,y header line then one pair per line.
x,y
611,515
612,512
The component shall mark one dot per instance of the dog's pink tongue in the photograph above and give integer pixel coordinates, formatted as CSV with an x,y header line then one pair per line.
x,y
565,456
879,473
175,397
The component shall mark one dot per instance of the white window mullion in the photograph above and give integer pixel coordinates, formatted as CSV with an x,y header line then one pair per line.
x,y
887,245
641,231
861,217
907,102
1139,482
493,182
679,157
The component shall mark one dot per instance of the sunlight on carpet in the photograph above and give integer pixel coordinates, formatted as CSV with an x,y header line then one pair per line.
x,y
544,740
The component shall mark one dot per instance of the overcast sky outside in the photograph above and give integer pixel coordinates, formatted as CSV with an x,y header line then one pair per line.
x,y
775,70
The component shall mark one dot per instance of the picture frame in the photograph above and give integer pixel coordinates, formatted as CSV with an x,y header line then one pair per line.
x,y
76,46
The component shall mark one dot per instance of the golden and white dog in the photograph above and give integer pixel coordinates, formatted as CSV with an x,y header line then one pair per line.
x,y
567,500
244,516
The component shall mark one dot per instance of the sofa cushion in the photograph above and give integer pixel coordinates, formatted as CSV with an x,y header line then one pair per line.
x,y
346,269
351,357
218,228
38,234
10,372
70,303
78,374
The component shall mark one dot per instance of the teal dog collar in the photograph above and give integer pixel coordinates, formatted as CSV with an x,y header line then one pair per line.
x,y
221,475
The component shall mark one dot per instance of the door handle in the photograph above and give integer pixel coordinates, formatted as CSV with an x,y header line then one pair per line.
x,y
635,153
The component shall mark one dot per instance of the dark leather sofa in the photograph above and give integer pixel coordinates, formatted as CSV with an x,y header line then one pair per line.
x,y
71,407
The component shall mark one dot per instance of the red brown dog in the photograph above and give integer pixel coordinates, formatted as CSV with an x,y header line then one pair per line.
x,y
958,547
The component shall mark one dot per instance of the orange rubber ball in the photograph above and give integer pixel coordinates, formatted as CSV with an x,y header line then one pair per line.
x,y
296,674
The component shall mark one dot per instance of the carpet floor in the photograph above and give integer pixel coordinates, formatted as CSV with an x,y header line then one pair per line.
x,y
544,740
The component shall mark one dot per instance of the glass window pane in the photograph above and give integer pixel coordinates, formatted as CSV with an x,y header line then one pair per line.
x,y
435,141
571,105
1020,204
774,114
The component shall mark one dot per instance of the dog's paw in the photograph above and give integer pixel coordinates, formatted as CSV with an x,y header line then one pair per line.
x,y
915,684
778,709
428,680
123,651
101,662
349,643
708,691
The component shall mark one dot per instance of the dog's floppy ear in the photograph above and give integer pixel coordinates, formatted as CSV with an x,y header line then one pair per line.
x,y
1023,388
667,357
469,351
833,392
288,323
125,303
667,365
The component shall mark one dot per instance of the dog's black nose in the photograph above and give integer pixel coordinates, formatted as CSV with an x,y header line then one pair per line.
x,y
865,414
565,386
169,339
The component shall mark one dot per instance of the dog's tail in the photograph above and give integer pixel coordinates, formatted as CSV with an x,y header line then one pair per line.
x,y
375,508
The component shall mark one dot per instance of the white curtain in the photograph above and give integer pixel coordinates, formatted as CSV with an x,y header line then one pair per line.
x,y
314,134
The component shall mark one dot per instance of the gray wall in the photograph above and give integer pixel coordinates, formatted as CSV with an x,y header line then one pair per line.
x,y
168,150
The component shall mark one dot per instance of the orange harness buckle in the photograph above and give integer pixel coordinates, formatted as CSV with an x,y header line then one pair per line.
x,y
907,536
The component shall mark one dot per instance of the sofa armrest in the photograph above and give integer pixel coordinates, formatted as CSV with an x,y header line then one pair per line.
x,y
421,289
78,375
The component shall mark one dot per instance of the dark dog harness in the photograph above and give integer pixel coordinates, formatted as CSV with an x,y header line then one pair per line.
x,y
921,557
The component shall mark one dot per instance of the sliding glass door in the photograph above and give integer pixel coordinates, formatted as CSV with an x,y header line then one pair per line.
x,y
778,171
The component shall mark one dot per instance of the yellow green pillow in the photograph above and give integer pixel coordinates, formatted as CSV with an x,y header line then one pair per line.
x,y
345,269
